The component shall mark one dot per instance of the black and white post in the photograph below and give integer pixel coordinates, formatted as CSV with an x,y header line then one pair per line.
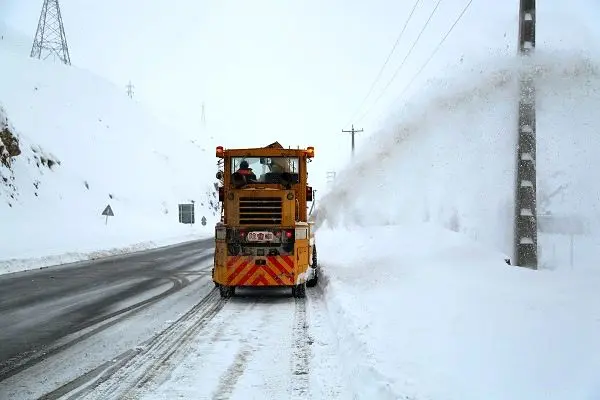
x,y
525,245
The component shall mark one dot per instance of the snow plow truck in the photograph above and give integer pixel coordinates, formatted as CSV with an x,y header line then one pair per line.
x,y
264,238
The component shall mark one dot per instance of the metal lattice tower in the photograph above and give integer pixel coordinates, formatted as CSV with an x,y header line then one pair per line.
x,y
526,251
50,38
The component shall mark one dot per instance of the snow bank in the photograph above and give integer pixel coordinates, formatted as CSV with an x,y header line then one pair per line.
x,y
85,145
422,313
451,161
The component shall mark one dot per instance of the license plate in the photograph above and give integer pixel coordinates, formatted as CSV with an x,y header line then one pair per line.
x,y
260,236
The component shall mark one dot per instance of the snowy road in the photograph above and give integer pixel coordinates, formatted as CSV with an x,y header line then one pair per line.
x,y
95,309
153,326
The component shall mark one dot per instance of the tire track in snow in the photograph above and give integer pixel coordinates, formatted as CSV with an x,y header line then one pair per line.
x,y
301,352
231,376
94,326
123,376
27,360
228,381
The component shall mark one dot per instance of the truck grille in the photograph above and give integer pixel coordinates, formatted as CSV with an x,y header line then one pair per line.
x,y
260,210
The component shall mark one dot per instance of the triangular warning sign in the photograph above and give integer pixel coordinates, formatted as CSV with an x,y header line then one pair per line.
x,y
108,211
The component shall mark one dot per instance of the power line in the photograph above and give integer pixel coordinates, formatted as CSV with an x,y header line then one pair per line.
x,y
433,53
403,61
386,62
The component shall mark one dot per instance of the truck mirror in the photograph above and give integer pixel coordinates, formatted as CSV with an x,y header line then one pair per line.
x,y
219,175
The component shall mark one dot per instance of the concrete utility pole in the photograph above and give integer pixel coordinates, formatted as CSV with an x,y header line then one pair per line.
x,y
526,252
352,132
50,38
130,90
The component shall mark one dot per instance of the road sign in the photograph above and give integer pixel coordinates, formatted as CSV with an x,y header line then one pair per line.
x,y
108,212
186,213
203,220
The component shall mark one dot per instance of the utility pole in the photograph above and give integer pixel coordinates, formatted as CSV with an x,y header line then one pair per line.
x,y
526,252
130,90
352,132
203,118
50,38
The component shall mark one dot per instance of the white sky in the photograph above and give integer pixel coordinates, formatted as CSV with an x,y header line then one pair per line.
x,y
269,69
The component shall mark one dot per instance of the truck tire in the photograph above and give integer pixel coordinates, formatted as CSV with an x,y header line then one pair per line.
x,y
315,279
312,282
226,291
299,291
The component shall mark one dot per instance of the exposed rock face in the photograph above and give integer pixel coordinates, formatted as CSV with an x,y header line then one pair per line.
x,y
9,147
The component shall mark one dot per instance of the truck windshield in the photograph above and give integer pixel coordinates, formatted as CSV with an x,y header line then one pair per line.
x,y
267,169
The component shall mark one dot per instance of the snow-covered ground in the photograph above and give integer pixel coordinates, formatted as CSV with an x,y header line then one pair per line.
x,y
86,145
424,313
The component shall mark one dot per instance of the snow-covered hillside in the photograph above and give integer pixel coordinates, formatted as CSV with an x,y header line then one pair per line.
x,y
451,158
84,145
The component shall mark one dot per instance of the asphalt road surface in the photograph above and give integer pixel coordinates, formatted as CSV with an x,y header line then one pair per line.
x,y
39,307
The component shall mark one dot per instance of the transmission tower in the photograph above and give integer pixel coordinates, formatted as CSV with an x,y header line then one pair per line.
x,y
526,188
50,38
130,90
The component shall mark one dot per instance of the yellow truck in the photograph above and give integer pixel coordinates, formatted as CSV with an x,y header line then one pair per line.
x,y
264,238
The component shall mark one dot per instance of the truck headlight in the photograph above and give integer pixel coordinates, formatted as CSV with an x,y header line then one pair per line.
x,y
221,233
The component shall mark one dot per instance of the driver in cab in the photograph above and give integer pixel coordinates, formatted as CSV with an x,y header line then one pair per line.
x,y
246,171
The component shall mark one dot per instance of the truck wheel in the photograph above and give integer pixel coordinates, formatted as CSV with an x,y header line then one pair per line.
x,y
299,291
312,282
315,278
226,291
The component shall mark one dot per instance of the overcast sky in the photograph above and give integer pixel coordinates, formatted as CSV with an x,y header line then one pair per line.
x,y
270,69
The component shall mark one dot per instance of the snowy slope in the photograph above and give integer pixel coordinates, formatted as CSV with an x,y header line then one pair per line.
x,y
423,313
424,305
446,154
451,159
107,150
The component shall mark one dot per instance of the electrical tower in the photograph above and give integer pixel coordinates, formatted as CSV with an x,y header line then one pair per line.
x,y
130,90
352,132
50,38
526,253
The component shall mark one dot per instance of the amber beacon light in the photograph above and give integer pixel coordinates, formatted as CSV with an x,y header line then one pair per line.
x,y
310,152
